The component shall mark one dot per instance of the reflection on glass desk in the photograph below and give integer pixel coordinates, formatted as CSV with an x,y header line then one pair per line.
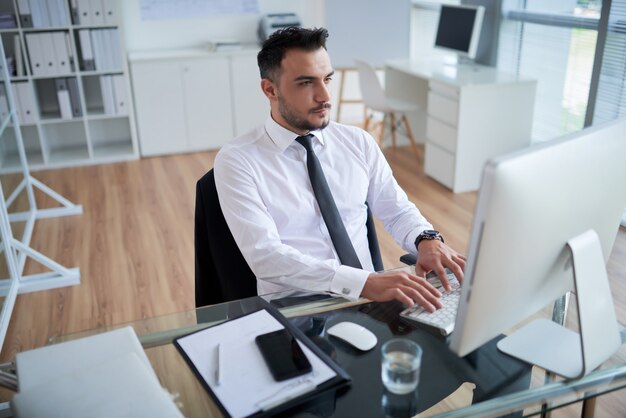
x,y
483,383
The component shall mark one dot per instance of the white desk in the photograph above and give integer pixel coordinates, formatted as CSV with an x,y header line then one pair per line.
x,y
469,113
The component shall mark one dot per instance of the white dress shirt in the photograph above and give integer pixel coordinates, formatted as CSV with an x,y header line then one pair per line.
x,y
266,196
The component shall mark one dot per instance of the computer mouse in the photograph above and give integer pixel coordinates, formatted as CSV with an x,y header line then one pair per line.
x,y
354,334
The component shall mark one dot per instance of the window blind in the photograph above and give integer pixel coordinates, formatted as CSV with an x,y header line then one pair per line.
x,y
610,102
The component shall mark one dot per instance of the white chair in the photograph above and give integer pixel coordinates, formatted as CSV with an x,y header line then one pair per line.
x,y
374,99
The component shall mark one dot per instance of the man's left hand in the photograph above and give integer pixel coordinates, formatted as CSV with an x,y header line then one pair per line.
x,y
436,256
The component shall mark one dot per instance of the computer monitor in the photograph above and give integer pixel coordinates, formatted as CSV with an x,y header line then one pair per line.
x,y
459,29
545,222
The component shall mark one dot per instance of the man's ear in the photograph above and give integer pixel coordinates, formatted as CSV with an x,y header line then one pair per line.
x,y
269,89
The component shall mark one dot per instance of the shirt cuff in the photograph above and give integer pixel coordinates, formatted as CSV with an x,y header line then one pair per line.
x,y
348,282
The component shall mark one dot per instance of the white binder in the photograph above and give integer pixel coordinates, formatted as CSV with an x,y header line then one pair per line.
x,y
63,96
27,103
97,15
35,54
26,18
98,49
16,100
121,98
61,53
50,60
39,13
109,8
108,99
84,12
86,50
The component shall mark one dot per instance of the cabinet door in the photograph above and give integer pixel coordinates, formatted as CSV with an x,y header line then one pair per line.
x,y
208,106
252,107
159,107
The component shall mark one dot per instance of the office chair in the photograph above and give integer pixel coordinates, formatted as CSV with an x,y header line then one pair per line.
x,y
222,273
374,98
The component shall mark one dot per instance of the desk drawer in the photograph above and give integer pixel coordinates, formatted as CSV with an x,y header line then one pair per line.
x,y
443,108
441,134
439,164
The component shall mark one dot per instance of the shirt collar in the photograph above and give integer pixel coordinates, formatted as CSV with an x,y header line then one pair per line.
x,y
283,137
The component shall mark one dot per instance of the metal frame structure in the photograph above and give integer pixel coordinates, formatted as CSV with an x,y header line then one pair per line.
x,y
16,251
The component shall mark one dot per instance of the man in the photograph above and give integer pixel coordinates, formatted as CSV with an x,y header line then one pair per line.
x,y
277,207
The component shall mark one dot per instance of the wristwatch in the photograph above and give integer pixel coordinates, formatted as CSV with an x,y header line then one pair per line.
x,y
428,234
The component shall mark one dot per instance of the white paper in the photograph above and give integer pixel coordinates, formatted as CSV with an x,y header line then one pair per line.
x,y
243,367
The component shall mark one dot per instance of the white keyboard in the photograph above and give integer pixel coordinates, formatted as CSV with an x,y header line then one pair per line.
x,y
442,319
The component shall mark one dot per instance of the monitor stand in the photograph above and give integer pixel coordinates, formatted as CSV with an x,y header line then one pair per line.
x,y
563,351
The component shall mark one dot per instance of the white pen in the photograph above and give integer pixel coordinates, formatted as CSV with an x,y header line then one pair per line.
x,y
218,364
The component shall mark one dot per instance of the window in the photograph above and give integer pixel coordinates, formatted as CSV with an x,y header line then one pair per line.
x,y
553,42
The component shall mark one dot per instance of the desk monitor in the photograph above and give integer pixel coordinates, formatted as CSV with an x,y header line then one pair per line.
x,y
545,222
459,29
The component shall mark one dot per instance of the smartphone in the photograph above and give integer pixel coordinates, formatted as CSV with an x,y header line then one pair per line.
x,y
283,355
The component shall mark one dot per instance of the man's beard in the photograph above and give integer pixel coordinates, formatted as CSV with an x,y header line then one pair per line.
x,y
299,123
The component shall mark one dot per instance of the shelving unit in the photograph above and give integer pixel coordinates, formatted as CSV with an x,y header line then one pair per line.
x,y
94,135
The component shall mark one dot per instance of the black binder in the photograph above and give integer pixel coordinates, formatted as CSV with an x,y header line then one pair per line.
x,y
341,379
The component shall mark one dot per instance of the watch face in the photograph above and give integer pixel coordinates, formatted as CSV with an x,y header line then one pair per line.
x,y
431,233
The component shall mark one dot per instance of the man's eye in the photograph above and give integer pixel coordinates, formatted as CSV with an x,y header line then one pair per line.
x,y
328,80
306,83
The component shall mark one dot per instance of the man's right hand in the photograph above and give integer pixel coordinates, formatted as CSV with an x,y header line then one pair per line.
x,y
404,287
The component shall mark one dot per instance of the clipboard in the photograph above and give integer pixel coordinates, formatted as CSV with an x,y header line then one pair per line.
x,y
189,351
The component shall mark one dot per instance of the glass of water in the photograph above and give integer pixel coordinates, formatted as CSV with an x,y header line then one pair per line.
x,y
401,360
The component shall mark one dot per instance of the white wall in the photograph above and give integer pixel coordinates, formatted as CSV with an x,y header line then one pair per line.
x,y
188,33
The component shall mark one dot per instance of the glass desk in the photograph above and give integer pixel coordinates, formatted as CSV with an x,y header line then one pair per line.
x,y
496,383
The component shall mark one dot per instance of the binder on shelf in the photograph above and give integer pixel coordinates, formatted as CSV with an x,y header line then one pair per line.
x,y
97,48
61,53
19,59
121,98
74,12
56,9
26,19
70,52
50,59
97,16
116,53
16,102
84,12
35,54
86,50
108,99
39,11
245,371
109,9
27,103
108,49
72,87
63,97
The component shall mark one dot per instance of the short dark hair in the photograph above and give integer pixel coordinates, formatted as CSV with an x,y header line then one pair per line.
x,y
275,47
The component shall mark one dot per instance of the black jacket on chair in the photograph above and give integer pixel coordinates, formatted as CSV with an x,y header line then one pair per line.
x,y
222,273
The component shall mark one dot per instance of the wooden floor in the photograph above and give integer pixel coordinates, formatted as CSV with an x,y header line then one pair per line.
x,y
134,246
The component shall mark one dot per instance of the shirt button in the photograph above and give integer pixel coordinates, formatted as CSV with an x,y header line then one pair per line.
x,y
345,291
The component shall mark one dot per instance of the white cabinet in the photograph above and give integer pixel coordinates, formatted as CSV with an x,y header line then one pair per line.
x,y
207,102
467,125
473,113
182,105
190,100
251,107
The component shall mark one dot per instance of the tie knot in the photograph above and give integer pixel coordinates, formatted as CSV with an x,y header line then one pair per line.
x,y
306,141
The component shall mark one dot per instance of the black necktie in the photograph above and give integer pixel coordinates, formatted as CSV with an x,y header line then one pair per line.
x,y
336,228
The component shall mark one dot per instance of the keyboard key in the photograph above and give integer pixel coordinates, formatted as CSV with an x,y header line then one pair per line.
x,y
442,319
